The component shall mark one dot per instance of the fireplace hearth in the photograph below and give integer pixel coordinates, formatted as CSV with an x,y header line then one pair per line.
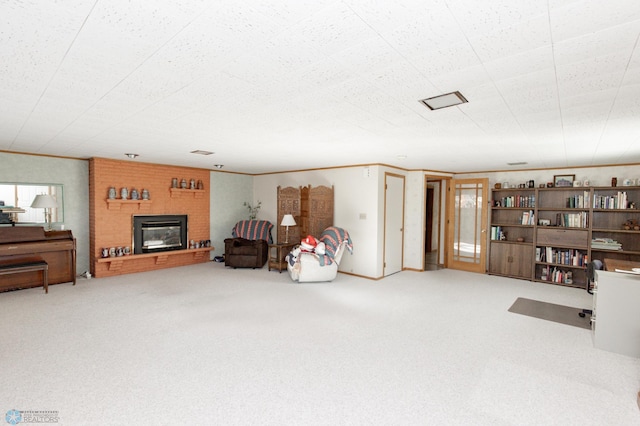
x,y
156,233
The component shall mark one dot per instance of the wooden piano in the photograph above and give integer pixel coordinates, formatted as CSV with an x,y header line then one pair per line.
x,y
57,248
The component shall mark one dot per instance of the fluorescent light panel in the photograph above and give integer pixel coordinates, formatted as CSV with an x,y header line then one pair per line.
x,y
444,101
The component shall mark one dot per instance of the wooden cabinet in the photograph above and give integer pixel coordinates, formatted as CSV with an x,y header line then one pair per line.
x,y
510,259
311,207
564,229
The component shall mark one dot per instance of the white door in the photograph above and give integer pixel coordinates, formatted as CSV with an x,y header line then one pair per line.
x,y
393,223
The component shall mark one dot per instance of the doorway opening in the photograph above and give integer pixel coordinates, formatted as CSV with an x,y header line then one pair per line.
x,y
434,257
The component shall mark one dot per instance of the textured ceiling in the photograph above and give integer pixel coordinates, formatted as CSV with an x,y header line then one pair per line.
x,y
287,85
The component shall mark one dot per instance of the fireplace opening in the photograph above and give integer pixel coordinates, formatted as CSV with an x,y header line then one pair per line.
x,y
156,233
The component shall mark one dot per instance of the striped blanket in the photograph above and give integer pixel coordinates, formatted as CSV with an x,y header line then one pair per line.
x,y
332,237
253,230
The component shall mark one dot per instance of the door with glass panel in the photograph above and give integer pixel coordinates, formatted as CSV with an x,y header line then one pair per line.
x,y
467,234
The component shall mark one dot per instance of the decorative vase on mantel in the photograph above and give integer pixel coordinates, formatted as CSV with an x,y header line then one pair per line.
x,y
124,193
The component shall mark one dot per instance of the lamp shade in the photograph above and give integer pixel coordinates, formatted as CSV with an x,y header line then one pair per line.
x,y
44,201
288,220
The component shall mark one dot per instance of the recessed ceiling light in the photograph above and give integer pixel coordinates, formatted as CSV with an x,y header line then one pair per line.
x,y
201,152
218,166
517,163
444,101
131,155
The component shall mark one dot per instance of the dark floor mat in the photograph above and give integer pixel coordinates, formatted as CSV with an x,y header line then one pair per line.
x,y
551,312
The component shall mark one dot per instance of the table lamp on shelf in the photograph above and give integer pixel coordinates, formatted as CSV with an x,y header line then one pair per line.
x,y
287,221
46,202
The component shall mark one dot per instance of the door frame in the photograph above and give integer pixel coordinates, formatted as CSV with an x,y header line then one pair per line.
x,y
442,217
480,267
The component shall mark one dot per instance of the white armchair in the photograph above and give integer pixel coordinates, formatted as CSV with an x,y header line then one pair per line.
x,y
313,267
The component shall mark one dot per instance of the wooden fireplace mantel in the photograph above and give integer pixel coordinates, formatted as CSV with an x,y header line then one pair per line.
x,y
115,263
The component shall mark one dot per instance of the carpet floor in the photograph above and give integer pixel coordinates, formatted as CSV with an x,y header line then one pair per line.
x,y
208,345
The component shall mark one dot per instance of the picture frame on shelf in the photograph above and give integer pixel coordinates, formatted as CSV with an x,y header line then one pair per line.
x,y
563,181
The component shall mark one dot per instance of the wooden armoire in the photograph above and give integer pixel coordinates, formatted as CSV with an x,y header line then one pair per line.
x,y
311,207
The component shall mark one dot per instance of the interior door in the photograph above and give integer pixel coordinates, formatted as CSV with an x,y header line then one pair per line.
x,y
467,222
393,223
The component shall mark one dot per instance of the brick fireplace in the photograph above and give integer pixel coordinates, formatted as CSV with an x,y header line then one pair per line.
x,y
111,220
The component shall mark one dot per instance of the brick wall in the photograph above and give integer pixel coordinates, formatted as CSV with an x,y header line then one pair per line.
x,y
111,223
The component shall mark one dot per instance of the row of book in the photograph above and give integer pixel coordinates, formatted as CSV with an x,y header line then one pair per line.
x,y
516,201
528,218
556,275
618,201
605,244
579,201
497,233
571,257
573,220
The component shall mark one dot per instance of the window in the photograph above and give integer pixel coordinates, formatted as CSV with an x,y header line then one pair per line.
x,y
19,196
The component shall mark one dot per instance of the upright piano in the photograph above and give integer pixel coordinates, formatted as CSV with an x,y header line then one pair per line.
x,y
57,248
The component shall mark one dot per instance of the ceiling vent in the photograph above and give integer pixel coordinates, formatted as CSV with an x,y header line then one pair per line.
x,y
444,101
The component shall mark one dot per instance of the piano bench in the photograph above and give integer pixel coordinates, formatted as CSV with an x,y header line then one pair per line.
x,y
16,264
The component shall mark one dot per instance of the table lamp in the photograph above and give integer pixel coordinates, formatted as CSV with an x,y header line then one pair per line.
x,y
287,221
46,202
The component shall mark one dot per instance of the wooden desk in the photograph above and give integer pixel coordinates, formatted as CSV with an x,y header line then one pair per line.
x,y
613,264
278,261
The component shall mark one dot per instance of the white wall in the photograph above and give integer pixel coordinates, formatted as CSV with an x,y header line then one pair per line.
x,y
355,193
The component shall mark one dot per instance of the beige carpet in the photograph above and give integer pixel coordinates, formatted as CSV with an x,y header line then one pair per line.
x,y
207,345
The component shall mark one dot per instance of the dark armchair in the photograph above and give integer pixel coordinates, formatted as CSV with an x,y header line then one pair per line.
x,y
249,247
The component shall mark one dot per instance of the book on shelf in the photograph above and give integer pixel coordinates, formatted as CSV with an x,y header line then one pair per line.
x,y
556,275
527,218
605,244
611,202
572,257
572,220
578,201
525,201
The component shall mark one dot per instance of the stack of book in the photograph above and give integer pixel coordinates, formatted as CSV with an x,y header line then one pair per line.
x,y
605,244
